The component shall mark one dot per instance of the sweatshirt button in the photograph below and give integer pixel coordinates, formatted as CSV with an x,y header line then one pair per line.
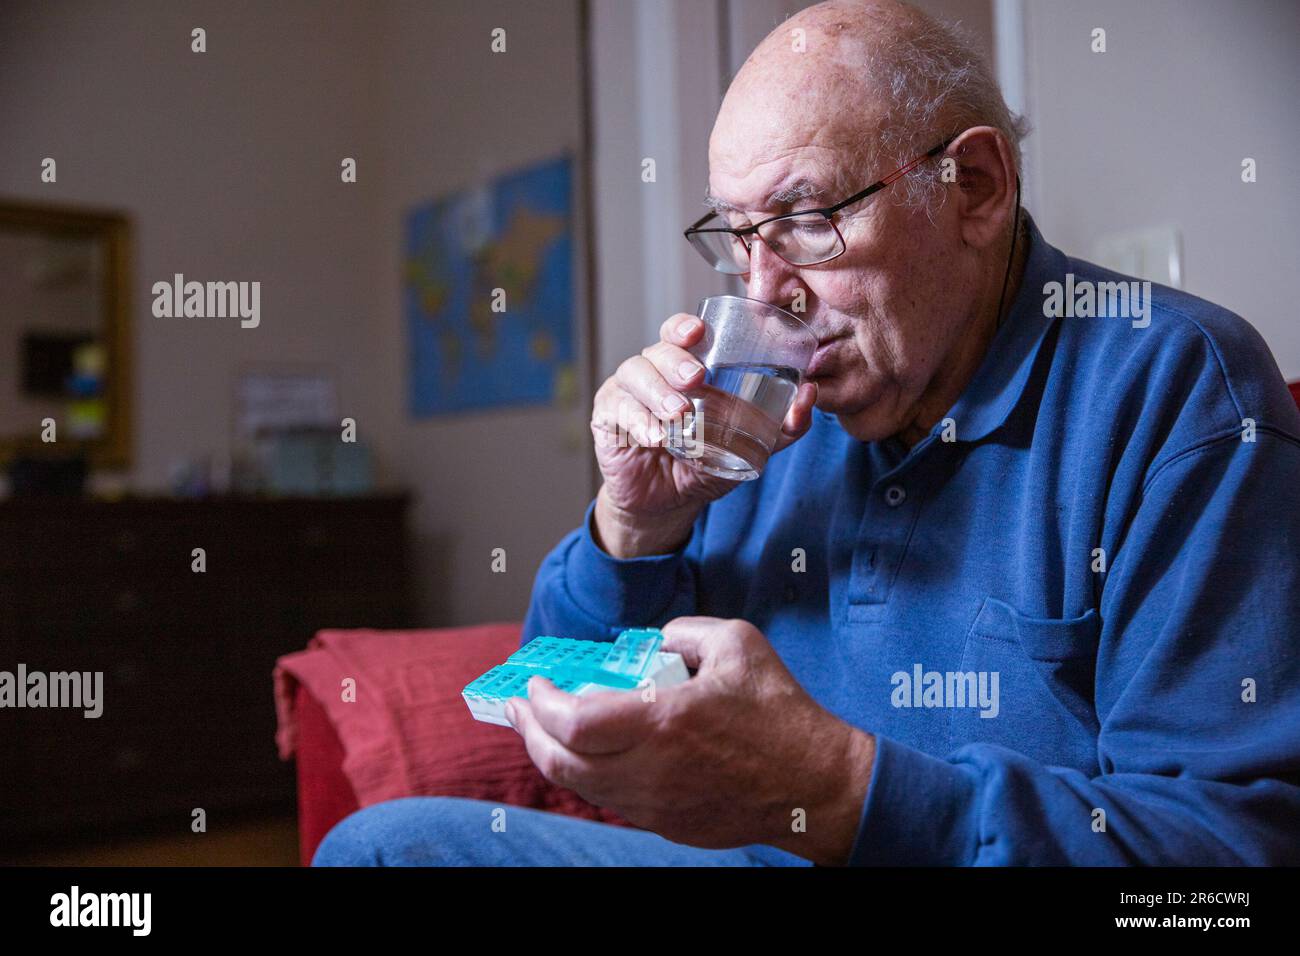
x,y
895,495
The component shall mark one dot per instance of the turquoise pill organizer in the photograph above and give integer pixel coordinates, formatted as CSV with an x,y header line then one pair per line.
x,y
577,667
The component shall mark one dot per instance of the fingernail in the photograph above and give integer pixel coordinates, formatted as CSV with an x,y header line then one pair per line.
x,y
686,326
674,402
510,713
687,369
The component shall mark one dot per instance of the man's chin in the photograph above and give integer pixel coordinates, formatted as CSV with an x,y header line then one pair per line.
x,y
863,415
838,395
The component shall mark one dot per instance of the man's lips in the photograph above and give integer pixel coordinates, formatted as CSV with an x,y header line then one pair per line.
x,y
821,355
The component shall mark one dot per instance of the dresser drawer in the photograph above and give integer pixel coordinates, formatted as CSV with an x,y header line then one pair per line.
x,y
187,658
32,600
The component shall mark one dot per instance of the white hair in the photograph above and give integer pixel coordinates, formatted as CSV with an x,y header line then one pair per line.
x,y
932,84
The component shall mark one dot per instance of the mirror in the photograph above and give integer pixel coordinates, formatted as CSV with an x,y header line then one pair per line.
x,y
64,336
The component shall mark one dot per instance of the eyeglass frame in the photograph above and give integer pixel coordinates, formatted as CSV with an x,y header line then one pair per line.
x,y
826,211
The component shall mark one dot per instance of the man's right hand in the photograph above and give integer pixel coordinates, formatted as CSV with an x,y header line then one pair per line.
x,y
649,500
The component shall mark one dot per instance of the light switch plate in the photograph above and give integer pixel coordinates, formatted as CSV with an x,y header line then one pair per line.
x,y
1155,253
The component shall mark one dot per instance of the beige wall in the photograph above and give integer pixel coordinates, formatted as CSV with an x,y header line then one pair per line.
x,y
452,114
1153,131
228,164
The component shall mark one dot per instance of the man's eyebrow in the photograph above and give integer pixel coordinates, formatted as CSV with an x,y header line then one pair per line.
x,y
799,189
718,205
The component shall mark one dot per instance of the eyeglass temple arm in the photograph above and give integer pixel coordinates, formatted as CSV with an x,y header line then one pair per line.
x,y
892,177
699,222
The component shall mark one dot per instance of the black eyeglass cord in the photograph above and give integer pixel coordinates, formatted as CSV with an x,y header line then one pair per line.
x,y
1011,256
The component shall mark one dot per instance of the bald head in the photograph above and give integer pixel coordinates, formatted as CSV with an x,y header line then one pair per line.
x,y
876,81
815,66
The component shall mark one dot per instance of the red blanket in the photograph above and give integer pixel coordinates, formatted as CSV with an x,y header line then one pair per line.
x,y
394,700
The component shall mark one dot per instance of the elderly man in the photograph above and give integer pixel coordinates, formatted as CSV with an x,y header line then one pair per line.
x,y
1082,504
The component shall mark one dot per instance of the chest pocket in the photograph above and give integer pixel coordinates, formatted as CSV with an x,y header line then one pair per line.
x,y
1046,671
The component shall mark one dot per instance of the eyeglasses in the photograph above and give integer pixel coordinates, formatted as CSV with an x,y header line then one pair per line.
x,y
805,238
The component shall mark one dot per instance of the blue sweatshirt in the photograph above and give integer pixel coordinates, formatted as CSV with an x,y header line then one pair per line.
x,y
1070,614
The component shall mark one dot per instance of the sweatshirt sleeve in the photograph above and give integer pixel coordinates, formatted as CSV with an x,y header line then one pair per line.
x,y
1197,696
582,592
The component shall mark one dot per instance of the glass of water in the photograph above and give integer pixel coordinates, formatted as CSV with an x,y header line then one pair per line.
x,y
754,355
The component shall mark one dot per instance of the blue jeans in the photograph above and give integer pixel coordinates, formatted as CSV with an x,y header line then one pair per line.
x,y
450,831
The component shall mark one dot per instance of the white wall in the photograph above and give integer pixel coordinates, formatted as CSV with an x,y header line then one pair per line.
x,y
1153,131
657,84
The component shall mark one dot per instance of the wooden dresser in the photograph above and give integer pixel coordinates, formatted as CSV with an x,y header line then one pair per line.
x,y
188,714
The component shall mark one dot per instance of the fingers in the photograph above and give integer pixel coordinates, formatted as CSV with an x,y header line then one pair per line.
x,y
557,764
635,401
598,723
655,377
690,637
641,379
799,419
682,329
645,390
679,368
599,779
616,413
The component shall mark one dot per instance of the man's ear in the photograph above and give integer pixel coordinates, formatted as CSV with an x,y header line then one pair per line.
x,y
986,184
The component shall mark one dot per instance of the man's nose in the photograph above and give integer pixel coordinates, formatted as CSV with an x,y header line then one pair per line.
x,y
771,278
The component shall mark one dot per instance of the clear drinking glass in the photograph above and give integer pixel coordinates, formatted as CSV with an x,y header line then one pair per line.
x,y
754,355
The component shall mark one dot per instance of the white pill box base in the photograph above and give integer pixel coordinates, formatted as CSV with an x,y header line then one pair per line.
x,y
667,670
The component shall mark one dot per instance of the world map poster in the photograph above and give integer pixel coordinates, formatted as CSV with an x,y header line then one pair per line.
x,y
488,294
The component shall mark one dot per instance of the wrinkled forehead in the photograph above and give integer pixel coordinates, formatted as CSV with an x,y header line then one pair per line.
x,y
777,131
